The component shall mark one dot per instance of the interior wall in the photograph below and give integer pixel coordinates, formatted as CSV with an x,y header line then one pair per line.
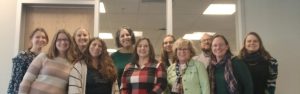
x,y
277,22
68,18
7,25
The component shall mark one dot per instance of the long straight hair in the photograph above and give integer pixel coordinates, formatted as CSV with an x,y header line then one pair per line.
x,y
164,55
135,57
261,50
53,51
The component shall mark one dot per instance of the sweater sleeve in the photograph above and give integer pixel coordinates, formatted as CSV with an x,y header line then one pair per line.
x,y
31,74
273,72
203,78
244,77
75,80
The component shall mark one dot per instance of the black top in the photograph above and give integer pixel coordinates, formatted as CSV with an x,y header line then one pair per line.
x,y
260,72
95,84
259,69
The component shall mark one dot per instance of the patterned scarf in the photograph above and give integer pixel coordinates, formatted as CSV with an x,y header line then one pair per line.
x,y
228,75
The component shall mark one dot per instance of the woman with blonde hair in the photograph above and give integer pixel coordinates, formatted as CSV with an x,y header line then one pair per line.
x,y
48,73
185,75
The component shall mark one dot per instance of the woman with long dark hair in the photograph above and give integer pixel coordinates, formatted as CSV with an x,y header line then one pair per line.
x,y
262,66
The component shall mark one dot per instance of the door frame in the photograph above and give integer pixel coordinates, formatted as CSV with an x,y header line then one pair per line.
x,y
20,15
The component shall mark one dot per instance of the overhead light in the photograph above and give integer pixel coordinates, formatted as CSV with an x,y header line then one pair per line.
x,y
102,8
220,9
105,36
196,35
111,50
138,33
191,37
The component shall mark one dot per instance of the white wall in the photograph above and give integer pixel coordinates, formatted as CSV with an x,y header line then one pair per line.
x,y
278,23
7,30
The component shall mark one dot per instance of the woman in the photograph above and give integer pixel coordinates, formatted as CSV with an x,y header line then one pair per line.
x,y
38,40
95,72
48,73
81,38
144,75
262,66
125,40
166,50
227,74
185,75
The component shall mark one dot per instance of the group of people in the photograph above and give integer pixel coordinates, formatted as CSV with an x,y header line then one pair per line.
x,y
79,64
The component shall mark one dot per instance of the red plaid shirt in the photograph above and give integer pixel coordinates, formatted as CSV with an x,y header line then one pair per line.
x,y
152,79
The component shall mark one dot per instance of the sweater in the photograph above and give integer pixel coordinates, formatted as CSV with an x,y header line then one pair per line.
x,y
46,76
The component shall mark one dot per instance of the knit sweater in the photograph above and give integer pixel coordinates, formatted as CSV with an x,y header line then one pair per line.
x,y
46,76
77,80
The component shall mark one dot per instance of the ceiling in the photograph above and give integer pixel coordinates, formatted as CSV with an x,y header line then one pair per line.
x,y
149,16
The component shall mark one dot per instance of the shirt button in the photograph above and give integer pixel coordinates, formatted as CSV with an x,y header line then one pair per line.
x,y
186,89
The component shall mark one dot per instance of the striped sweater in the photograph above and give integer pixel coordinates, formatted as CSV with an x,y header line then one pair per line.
x,y
46,76
77,80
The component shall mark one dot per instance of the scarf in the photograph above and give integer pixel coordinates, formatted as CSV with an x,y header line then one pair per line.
x,y
253,57
232,85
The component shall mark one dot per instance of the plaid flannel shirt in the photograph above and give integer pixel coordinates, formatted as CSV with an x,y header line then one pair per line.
x,y
151,79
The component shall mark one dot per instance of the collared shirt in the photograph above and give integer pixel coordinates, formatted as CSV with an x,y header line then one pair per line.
x,y
147,80
203,59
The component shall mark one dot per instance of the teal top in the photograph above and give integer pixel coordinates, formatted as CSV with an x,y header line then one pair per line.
x,y
194,80
120,60
241,74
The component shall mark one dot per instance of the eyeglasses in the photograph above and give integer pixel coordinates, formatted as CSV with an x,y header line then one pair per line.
x,y
183,49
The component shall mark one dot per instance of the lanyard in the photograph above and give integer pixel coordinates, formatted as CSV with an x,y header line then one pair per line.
x,y
178,74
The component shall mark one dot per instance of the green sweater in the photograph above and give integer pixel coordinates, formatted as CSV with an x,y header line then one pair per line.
x,y
241,74
120,60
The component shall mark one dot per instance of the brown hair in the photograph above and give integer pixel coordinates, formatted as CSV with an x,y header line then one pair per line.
x,y
226,42
53,51
105,66
261,50
34,32
164,56
117,39
135,57
179,43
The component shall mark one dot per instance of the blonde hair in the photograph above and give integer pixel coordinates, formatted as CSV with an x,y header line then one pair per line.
x,y
53,51
180,43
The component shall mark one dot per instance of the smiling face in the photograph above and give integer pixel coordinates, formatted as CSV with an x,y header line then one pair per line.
x,y
39,40
205,43
252,44
125,38
143,48
183,54
81,37
219,47
168,44
62,43
95,48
